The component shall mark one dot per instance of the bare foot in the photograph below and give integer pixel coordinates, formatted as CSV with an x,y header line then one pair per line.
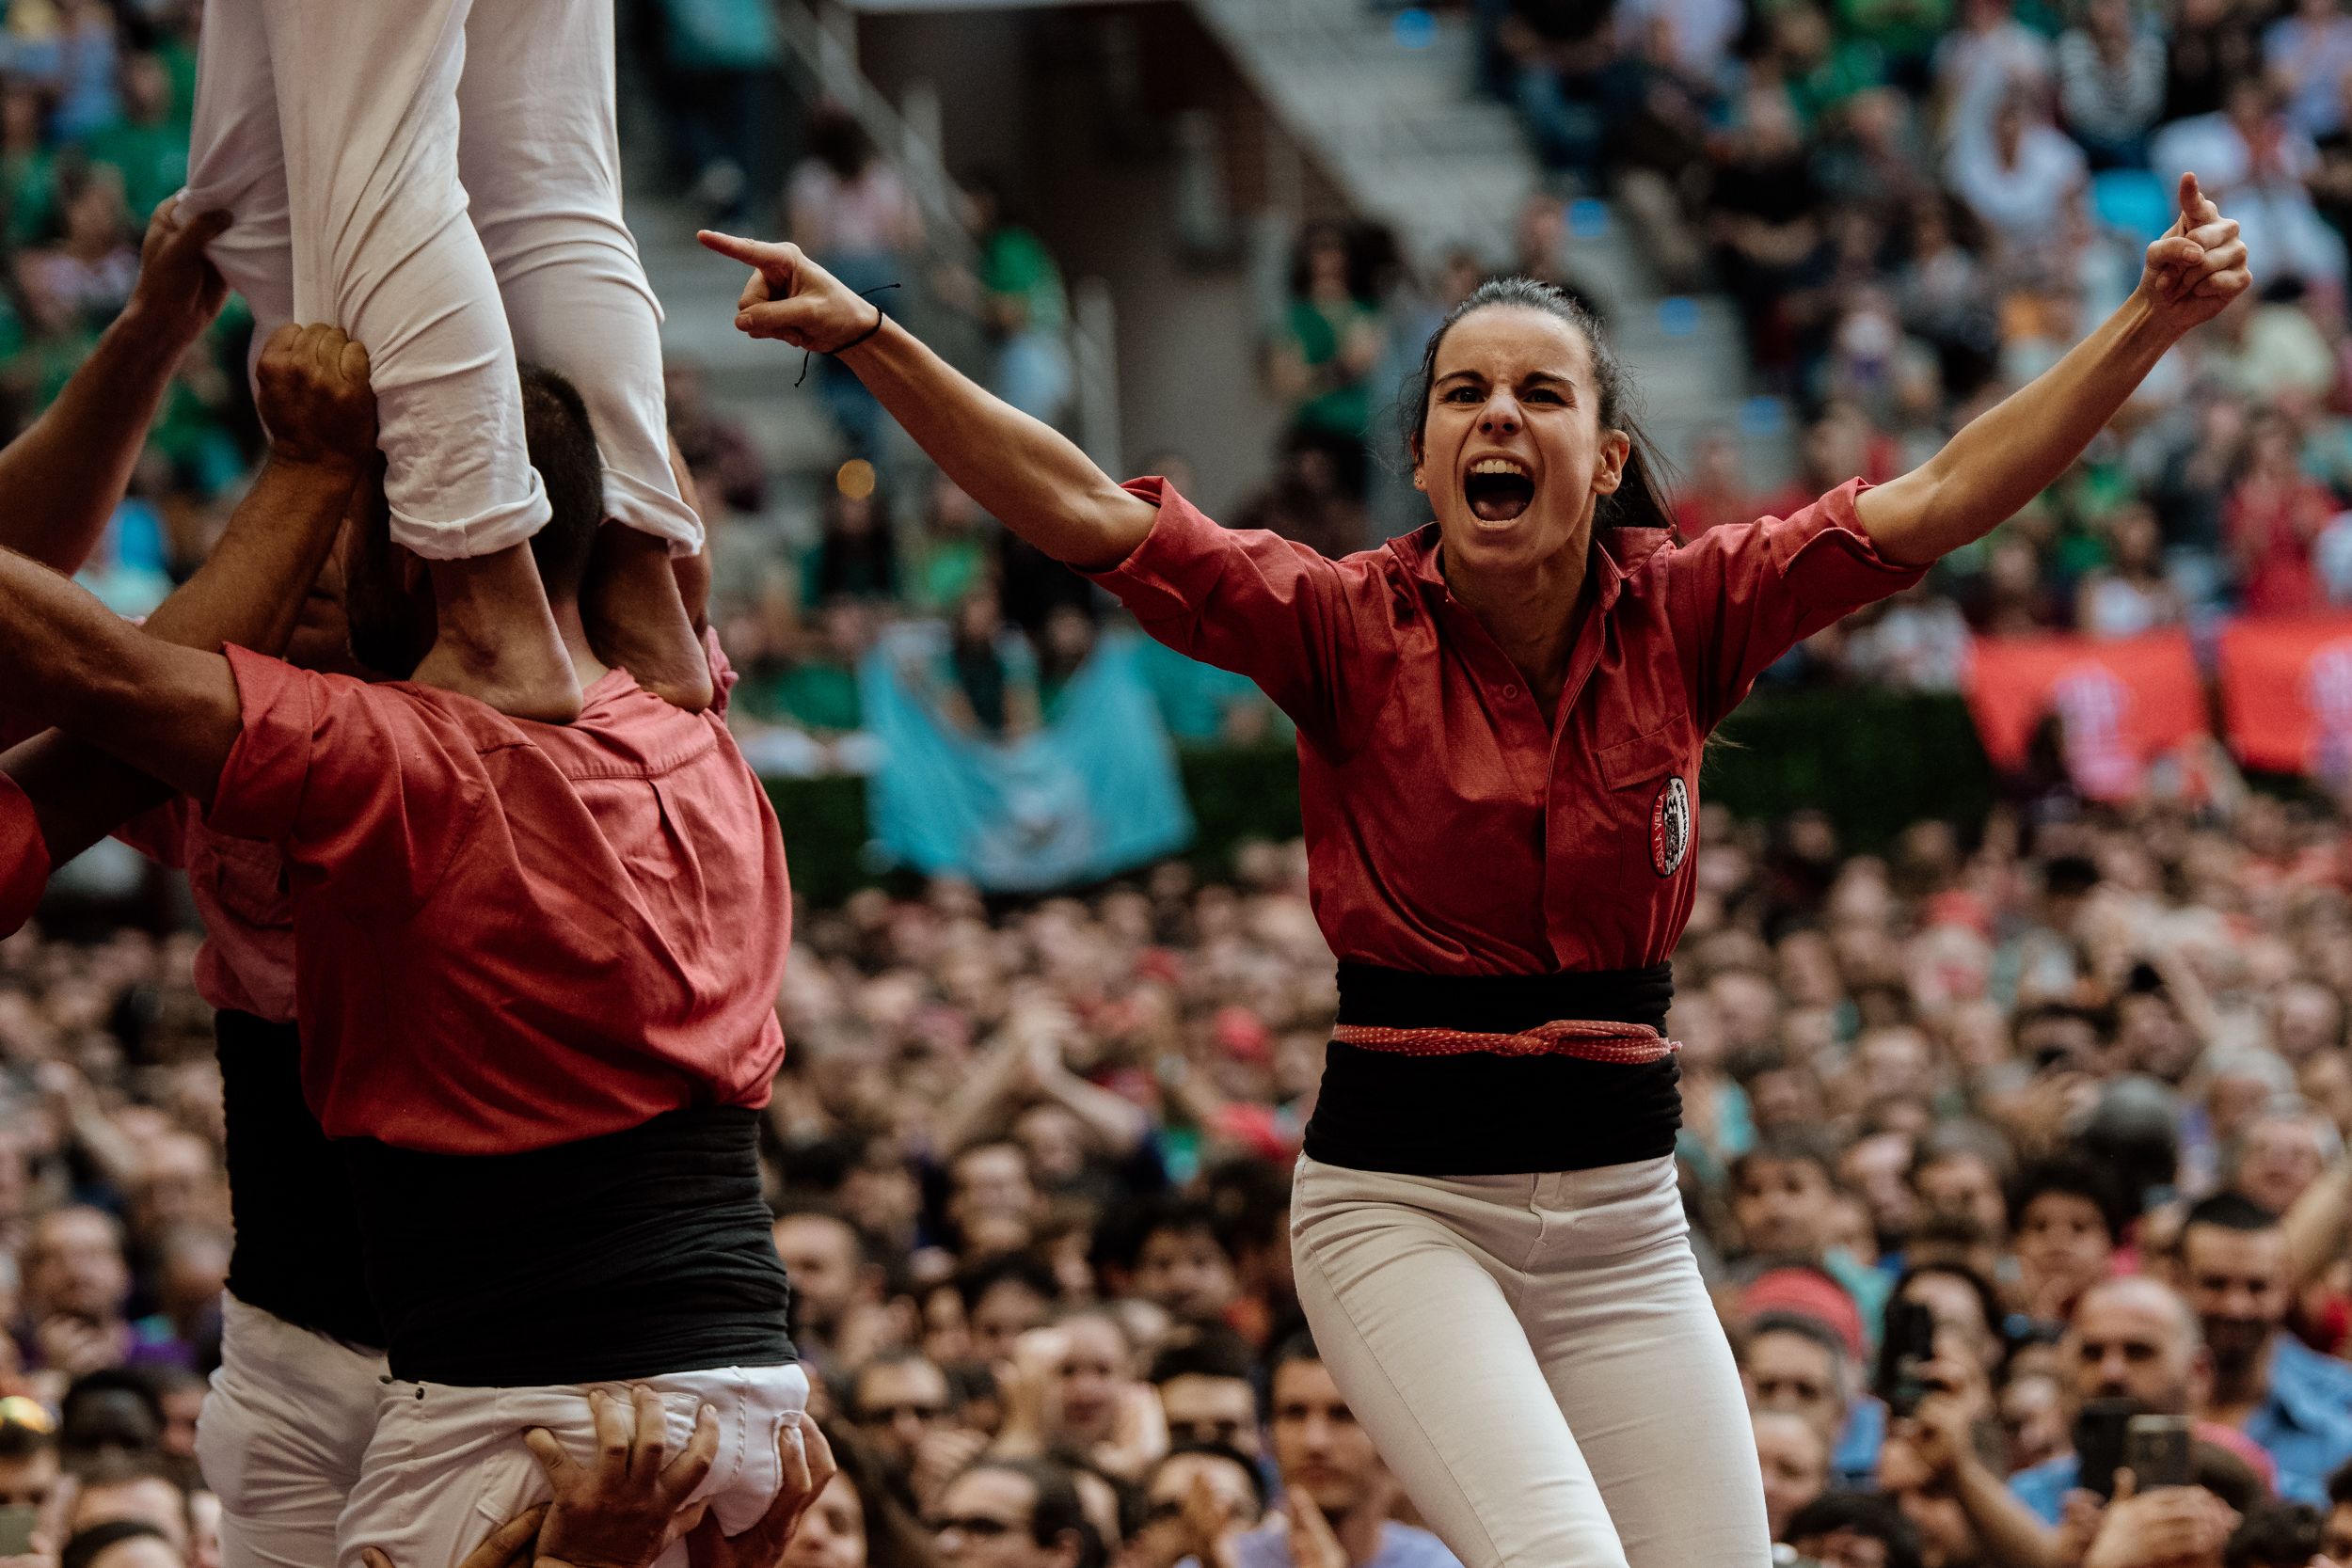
x,y
498,642
637,621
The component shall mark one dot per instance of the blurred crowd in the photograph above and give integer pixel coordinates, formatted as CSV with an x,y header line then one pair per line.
x,y
2071,1093
94,106
1915,205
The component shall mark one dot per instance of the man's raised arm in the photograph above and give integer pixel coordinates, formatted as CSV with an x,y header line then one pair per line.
x,y
99,771
65,475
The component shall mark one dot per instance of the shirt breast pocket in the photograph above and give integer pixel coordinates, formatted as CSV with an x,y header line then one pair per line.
x,y
1650,810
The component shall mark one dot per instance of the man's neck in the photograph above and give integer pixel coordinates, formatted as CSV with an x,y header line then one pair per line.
x,y
1359,1532
586,667
2237,1390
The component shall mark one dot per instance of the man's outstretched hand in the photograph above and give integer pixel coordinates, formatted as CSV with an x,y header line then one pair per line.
x,y
791,298
311,388
807,1466
179,290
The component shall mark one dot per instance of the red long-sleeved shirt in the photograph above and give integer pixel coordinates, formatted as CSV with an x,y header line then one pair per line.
x,y
1450,828
23,857
512,935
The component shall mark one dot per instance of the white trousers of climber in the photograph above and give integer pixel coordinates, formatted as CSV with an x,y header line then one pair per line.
x,y
441,179
284,1428
1537,1361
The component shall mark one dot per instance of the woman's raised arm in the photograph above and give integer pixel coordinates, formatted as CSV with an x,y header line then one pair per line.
x,y
2009,453
1021,470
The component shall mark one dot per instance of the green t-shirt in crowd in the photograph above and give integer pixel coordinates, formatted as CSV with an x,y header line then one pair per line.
x,y
1319,333
28,195
1015,265
154,160
945,571
820,696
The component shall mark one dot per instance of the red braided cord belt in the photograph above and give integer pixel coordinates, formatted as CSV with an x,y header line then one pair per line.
x,y
1593,1042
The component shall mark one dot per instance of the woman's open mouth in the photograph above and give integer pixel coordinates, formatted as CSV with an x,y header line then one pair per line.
x,y
1498,489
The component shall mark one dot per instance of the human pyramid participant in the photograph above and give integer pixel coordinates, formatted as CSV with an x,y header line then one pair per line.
x,y
496,994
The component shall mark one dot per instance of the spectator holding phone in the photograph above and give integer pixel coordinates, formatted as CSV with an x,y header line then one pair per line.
x,y
2133,1340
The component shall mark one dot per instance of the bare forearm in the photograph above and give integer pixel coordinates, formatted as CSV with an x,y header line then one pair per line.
x,y
2011,453
63,477
249,592
1019,470
981,1109
70,662
2013,1537
2314,1222
1119,1124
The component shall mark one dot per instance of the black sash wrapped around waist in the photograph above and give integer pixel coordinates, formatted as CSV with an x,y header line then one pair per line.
x,y
297,1249
629,1256
1492,1113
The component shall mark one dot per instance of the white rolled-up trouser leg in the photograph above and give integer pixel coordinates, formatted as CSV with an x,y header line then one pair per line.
x,y
368,118
539,151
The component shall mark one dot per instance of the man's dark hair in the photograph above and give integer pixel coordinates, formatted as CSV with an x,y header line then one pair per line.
x,y
2075,1177
1025,1269
1804,1327
853,1378
1952,1140
894,1539
799,1206
2275,1535
1211,1352
2230,1211
1132,1509
1297,1347
113,1407
1058,1510
2070,876
1871,1514
1119,1242
86,1546
1787,1145
563,444
1232,1456
1988,1299
25,1440
2340,1486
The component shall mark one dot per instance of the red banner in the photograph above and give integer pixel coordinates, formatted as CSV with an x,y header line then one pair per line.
x,y
2120,704
2286,695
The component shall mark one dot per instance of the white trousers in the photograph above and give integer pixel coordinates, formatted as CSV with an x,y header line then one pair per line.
x,y
1537,1361
441,179
281,1435
448,1465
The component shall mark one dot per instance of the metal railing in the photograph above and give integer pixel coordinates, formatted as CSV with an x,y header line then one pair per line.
x,y
820,39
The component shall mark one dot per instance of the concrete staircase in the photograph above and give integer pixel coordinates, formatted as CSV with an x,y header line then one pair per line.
x,y
1391,114
750,379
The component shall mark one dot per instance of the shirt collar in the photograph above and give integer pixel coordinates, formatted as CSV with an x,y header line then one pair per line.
x,y
2296,1394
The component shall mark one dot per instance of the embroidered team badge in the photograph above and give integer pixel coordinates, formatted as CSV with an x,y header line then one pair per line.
x,y
1670,828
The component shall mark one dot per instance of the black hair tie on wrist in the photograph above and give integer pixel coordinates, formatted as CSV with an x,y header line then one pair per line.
x,y
808,354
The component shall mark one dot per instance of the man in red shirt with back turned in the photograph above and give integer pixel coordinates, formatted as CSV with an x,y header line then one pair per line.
x,y
536,980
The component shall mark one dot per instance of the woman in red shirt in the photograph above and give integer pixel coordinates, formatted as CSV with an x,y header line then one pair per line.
x,y
1500,725
2274,514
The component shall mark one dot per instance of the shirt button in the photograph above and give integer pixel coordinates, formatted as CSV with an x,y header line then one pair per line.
x,y
1510,690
